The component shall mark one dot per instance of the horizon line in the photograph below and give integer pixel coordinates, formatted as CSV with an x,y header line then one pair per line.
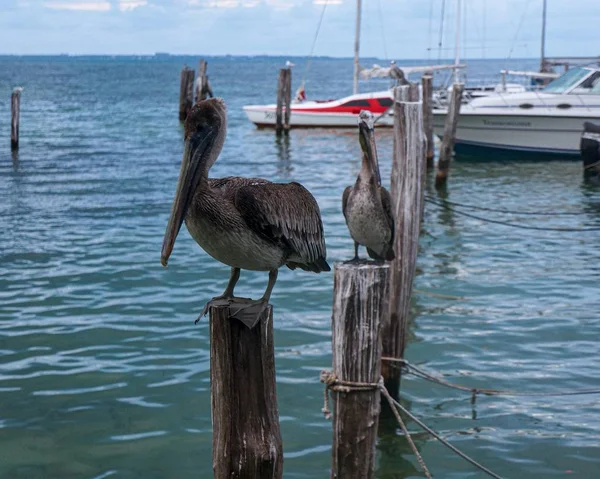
x,y
267,55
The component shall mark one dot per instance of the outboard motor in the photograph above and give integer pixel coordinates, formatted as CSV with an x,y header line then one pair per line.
x,y
590,151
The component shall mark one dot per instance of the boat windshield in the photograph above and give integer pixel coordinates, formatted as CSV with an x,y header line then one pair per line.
x,y
567,81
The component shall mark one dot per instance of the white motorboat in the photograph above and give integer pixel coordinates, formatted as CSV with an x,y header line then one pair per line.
x,y
548,121
329,113
343,112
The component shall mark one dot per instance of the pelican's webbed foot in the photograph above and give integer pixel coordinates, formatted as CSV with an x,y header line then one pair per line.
x,y
249,313
246,310
219,301
216,301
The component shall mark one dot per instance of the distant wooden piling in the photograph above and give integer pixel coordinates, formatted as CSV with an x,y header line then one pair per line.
x,y
404,93
284,98
449,135
427,84
15,117
186,92
360,294
202,89
287,99
246,436
408,174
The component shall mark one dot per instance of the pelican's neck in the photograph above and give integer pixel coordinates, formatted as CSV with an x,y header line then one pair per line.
x,y
366,173
203,188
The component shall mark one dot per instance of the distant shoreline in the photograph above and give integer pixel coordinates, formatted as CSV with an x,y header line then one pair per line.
x,y
161,55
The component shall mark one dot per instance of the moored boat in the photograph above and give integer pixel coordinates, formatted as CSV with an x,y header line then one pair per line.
x,y
548,122
329,113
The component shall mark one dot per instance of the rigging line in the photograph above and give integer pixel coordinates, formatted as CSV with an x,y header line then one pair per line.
x,y
514,225
430,30
441,439
509,212
441,31
463,42
314,42
483,28
382,30
512,47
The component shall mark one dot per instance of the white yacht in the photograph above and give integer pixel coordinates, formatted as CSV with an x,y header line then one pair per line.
x,y
547,121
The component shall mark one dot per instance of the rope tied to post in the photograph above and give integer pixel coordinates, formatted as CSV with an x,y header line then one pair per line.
x,y
333,383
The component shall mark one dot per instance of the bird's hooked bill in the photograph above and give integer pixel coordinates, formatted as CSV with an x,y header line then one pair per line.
x,y
193,164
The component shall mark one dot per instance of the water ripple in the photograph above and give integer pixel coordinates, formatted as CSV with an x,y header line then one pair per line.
x,y
102,371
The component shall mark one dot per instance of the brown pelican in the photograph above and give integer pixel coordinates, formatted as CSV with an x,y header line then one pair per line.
x,y
367,205
246,223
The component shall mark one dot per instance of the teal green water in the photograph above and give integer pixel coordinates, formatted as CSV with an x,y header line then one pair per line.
x,y
102,371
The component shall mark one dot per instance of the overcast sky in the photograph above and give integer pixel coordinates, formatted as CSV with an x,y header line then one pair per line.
x,y
394,29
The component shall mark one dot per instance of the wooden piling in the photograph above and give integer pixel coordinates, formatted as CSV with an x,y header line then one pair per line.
x,y
404,93
186,92
449,135
360,294
287,99
246,436
408,174
15,116
202,89
284,98
427,84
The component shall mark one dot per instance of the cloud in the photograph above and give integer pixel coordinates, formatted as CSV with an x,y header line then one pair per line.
x,y
230,4
391,28
97,6
128,5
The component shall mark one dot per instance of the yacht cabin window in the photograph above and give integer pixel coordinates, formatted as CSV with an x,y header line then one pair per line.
x,y
570,79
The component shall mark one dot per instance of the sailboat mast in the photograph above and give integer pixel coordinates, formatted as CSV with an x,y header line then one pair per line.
x,y
357,46
457,42
543,53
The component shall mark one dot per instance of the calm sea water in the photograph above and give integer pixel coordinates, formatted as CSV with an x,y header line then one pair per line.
x,y
102,371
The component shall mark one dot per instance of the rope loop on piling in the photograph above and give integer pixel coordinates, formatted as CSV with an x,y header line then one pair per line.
x,y
333,383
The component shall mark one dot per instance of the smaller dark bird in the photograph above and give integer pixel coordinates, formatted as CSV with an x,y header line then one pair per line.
x,y
367,206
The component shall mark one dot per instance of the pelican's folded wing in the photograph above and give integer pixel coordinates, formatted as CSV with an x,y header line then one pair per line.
x,y
287,215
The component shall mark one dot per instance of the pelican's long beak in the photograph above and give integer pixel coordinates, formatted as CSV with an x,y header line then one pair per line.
x,y
367,143
193,167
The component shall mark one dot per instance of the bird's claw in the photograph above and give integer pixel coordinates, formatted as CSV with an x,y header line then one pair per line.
x,y
216,301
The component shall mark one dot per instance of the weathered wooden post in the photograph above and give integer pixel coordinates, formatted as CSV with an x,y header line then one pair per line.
x,y
360,295
246,436
408,172
404,93
287,98
449,135
186,92
15,116
203,89
427,83
284,96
